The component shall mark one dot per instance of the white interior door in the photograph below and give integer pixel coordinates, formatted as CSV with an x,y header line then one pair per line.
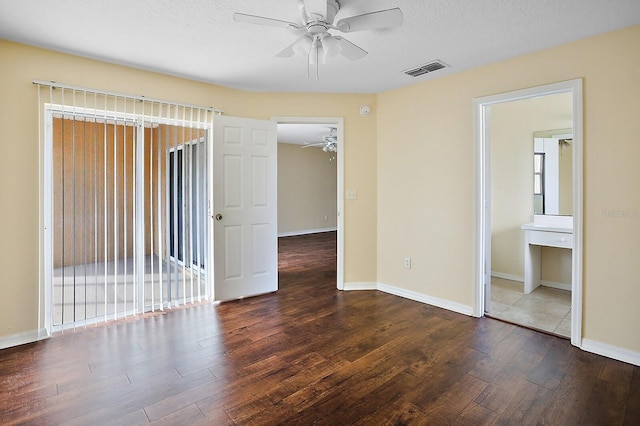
x,y
244,207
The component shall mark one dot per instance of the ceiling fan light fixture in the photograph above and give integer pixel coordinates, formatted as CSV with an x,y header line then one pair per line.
x,y
302,46
318,18
331,46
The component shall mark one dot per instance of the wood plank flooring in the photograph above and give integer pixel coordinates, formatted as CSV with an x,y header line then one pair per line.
x,y
310,354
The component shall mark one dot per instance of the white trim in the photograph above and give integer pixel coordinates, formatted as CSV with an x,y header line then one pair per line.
x,y
123,117
510,277
576,282
138,119
482,201
553,223
518,278
483,191
23,338
429,300
338,122
139,218
54,85
360,286
610,351
47,218
553,284
306,232
411,295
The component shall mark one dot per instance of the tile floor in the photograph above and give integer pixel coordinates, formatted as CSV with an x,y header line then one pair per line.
x,y
545,308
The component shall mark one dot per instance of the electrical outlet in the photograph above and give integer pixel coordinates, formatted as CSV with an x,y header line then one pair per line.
x,y
407,263
326,218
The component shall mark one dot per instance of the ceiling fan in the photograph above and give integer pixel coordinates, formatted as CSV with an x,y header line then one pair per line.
x,y
316,43
329,143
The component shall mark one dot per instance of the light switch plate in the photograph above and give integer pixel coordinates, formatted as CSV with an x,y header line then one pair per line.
x,y
352,194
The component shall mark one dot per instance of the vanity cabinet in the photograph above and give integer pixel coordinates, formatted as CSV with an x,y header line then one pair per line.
x,y
536,236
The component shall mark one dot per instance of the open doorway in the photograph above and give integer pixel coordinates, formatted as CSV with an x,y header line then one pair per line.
x,y
310,161
538,230
531,175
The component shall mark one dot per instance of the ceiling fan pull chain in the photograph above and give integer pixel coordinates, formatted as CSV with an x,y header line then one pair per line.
x,y
317,62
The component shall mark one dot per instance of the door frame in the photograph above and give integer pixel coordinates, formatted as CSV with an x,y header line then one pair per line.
x,y
481,126
138,120
180,187
47,188
186,148
338,123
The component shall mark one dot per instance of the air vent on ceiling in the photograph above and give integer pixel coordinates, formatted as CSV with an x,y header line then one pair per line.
x,y
426,68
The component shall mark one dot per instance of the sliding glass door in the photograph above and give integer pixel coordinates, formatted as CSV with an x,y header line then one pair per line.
x,y
128,204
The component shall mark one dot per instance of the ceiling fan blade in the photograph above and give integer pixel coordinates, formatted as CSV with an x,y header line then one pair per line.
x,y
287,52
313,144
350,50
261,20
298,47
316,8
371,21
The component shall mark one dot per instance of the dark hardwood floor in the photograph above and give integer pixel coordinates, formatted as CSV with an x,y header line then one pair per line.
x,y
311,354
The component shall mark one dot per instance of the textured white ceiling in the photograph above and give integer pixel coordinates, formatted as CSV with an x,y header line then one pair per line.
x,y
199,39
302,134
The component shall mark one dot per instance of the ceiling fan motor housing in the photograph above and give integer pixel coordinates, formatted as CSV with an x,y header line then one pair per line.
x,y
316,28
318,17
309,17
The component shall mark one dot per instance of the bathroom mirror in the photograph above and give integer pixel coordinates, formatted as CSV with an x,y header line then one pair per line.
x,y
553,172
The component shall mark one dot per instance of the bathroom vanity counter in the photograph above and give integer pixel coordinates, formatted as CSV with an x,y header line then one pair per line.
x,y
537,235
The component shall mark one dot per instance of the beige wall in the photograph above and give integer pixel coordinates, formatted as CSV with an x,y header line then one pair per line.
x,y
20,170
412,162
426,178
512,128
307,189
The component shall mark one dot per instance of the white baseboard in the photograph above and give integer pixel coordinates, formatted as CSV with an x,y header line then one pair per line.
x,y
360,286
412,295
305,232
510,277
610,351
23,338
429,300
598,348
559,286
518,278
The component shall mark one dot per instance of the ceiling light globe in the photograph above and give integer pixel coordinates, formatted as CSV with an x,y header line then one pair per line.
x,y
302,46
331,46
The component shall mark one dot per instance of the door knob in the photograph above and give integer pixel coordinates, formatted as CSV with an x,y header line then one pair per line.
x,y
218,216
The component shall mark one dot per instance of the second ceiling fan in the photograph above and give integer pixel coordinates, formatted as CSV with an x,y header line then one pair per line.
x,y
329,143
316,43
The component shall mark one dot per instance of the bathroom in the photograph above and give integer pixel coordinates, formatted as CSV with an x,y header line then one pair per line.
x,y
531,212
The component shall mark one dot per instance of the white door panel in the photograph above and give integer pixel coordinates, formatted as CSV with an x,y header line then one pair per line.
x,y
245,201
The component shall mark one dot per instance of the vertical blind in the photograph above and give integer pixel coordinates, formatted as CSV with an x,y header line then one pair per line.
x,y
126,203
